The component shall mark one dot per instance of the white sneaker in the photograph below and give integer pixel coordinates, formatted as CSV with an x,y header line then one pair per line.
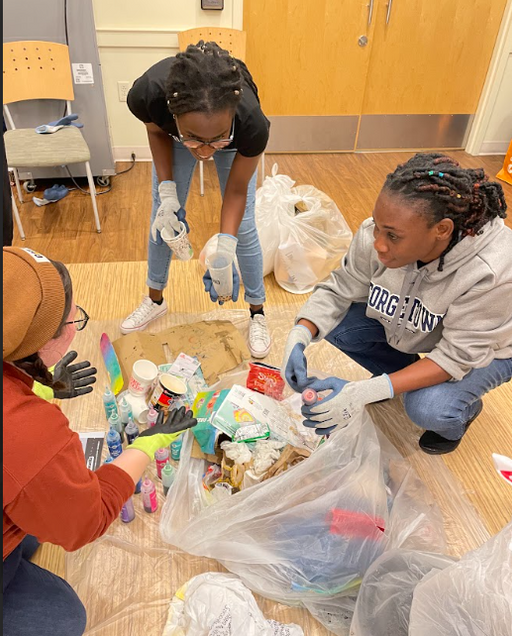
x,y
145,313
259,337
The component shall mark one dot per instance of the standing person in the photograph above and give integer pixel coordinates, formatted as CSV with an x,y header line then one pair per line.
x,y
200,104
430,273
49,494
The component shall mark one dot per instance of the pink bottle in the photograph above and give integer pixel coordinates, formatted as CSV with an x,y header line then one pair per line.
x,y
309,397
152,415
161,459
149,500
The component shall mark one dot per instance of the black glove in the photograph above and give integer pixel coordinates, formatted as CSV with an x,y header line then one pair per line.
x,y
164,433
177,421
77,378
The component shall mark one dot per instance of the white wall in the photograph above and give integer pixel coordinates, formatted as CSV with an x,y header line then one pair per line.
x,y
133,35
492,128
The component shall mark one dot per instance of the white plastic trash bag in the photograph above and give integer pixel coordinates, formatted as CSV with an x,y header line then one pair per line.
x,y
384,600
215,604
302,233
275,199
307,536
470,598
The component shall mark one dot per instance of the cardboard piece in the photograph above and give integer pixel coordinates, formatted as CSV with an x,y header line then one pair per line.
x,y
217,344
138,346
197,453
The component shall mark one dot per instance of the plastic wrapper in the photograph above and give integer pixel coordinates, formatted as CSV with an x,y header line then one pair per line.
x,y
470,598
384,600
215,604
127,578
302,232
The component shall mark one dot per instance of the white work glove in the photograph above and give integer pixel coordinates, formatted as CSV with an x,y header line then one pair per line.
x,y
226,245
345,400
166,213
294,368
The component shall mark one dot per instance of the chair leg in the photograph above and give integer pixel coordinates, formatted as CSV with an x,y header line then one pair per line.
x,y
18,185
201,178
17,218
92,190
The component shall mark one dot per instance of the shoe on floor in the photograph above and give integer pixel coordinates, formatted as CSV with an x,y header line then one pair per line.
x,y
259,337
145,313
434,444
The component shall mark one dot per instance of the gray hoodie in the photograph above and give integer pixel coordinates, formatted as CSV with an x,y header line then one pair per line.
x,y
460,317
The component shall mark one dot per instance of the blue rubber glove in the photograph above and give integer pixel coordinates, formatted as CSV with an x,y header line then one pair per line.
x,y
294,368
226,246
210,289
345,400
68,120
182,214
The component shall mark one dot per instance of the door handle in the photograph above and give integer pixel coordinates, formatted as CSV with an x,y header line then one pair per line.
x,y
388,14
370,11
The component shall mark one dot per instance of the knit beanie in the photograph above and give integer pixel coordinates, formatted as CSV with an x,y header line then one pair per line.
x,y
34,302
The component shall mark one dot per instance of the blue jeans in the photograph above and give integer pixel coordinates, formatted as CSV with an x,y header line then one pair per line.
x,y
37,602
249,253
444,408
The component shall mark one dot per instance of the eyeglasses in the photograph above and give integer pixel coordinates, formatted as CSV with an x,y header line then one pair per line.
x,y
217,144
82,320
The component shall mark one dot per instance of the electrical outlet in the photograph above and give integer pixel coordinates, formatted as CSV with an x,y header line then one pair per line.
x,y
123,89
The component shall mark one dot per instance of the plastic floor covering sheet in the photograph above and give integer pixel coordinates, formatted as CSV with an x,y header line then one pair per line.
x,y
127,578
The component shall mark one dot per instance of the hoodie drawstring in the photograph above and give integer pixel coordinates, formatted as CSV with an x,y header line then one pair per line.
x,y
405,304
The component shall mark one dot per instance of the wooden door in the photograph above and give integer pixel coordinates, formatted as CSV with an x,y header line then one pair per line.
x,y
305,56
432,56
429,59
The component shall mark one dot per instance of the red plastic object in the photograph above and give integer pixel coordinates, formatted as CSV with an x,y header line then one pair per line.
x,y
266,380
355,524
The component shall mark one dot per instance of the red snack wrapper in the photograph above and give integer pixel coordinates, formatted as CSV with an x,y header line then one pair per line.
x,y
266,380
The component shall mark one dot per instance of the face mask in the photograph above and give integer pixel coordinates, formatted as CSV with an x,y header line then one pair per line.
x,y
55,349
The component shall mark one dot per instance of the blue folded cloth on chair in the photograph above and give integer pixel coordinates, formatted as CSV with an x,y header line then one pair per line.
x,y
68,120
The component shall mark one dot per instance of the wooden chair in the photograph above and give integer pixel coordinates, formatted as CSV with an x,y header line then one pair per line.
x,y
232,40
41,70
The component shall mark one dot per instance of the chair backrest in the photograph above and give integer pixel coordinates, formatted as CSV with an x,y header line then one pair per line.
x,y
36,70
232,40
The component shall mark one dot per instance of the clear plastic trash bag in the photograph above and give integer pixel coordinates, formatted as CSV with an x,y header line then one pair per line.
x,y
307,536
470,598
384,601
216,604
301,247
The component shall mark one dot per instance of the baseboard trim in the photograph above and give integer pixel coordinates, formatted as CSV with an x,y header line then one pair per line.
x,y
494,148
124,153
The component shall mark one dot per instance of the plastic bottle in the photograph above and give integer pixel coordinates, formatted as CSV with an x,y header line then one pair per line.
x,y
161,459
149,499
138,486
108,459
168,476
152,415
128,511
125,411
114,443
109,402
115,422
176,449
132,431
309,397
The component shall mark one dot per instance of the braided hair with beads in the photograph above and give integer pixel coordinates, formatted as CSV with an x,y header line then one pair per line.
x,y
442,189
206,78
